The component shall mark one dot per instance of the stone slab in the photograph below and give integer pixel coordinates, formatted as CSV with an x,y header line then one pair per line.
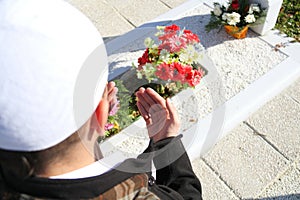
x,y
174,3
286,186
109,22
212,187
294,90
279,122
240,160
141,11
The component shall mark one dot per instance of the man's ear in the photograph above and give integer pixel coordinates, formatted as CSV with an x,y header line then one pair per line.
x,y
102,113
100,117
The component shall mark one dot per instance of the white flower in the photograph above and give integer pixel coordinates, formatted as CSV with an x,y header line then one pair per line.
x,y
139,74
250,11
148,42
164,55
250,18
217,10
253,8
233,18
256,8
149,71
189,55
224,16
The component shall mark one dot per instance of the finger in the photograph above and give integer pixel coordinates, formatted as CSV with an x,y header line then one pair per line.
x,y
111,85
140,91
142,101
112,94
143,112
109,88
172,110
156,97
149,98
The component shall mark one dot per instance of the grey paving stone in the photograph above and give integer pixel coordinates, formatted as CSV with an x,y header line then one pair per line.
x,y
294,90
212,187
174,3
279,121
141,11
287,186
245,162
107,20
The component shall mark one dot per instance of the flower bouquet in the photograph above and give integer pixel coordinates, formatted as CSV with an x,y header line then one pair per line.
x,y
236,17
174,60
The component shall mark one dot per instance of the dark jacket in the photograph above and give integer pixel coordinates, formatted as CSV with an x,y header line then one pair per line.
x,y
132,179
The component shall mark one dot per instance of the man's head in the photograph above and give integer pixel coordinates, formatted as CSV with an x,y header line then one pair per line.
x,y
52,75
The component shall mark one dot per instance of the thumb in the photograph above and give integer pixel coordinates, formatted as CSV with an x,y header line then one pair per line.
x,y
172,110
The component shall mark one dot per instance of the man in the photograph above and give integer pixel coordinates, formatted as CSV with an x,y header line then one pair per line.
x,y
53,76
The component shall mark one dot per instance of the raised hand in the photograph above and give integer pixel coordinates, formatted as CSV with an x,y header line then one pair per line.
x,y
109,99
160,115
110,94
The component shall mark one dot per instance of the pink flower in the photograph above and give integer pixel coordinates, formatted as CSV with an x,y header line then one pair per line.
x,y
115,109
163,72
190,37
108,126
173,44
166,36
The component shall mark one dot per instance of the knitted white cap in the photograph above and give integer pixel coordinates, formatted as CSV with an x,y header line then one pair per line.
x,y
53,71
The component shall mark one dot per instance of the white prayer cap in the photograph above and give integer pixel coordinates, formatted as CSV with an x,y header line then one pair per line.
x,y
53,71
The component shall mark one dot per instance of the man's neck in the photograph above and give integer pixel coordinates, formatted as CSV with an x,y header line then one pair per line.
x,y
74,159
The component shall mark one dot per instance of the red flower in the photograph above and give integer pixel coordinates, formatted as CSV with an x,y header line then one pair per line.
x,y
190,37
194,76
235,4
163,72
144,59
178,71
172,28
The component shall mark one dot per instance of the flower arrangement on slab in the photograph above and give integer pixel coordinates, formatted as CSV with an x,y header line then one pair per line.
x,y
175,59
235,17
169,66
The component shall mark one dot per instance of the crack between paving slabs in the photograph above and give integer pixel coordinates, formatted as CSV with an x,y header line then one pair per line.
x,y
292,98
165,4
126,19
263,136
220,178
280,174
